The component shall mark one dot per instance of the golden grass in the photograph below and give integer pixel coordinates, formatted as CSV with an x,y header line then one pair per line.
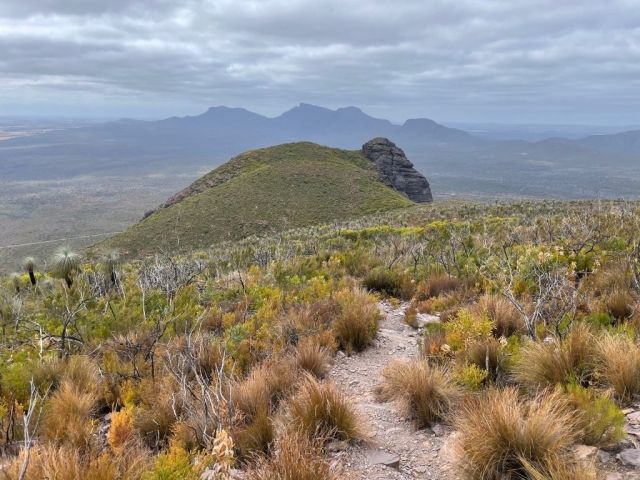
x,y
541,365
67,421
505,437
357,324
312,357
426,394
436,285
294,458
320,410
506,318
618,366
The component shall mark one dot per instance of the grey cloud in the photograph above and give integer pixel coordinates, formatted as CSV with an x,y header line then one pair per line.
x,y
493,60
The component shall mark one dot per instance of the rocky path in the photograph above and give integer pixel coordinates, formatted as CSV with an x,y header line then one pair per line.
x,y
395,450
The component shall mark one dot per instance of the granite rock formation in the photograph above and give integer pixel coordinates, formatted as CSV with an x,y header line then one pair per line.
x,y
397,171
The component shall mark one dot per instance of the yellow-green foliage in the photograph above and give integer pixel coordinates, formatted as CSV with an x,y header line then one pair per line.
x,y
467,327
471,377
600,421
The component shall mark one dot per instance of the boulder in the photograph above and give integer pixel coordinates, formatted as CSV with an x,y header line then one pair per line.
x,y
397,171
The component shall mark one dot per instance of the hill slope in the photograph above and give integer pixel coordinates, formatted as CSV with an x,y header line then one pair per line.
x,y
263,191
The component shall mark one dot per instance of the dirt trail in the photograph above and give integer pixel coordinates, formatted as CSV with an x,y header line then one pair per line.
x,y
421,452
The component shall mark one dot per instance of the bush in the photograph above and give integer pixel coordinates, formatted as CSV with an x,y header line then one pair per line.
x,y
121,432
255,437
618,366
382,280
294,458
540,365
471,377
466,328
505,437
600,421
357,324
436,285
486,353
425,394
320,410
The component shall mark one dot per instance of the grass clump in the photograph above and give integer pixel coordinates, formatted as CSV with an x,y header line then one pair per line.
x,y
357,324
437,285
67,421
312,357
506,437
426,394
540,365
320,410
618,366
294,458
507,320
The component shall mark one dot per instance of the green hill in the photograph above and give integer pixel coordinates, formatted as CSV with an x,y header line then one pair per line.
x,y
261,192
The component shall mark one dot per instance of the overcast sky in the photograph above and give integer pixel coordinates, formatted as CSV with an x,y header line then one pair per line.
x,y
543,61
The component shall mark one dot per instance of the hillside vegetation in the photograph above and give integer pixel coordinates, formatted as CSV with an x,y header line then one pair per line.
x,y
218,359
261,192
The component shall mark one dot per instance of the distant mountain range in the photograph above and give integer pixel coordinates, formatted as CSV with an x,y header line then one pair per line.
x,y
102,178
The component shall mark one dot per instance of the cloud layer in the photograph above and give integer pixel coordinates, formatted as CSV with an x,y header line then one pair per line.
x,y
517,60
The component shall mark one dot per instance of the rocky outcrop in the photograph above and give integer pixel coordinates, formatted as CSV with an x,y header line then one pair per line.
x,y
397,171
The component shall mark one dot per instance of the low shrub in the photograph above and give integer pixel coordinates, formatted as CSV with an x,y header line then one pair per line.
x,y
320,410
505,437
466,328
426,394
471,377
600,421
121,432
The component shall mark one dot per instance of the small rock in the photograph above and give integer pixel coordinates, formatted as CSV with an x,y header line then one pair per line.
x,y
603,456
382,457
630,457
627,411
438,430
337,446
614,476
584,452
633,417
353,383
340,354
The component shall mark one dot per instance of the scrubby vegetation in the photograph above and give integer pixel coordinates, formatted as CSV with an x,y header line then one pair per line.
x,y
165,366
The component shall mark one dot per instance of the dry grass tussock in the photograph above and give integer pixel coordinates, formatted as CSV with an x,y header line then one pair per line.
x,y
321,410
541,365
66,463
506,437
294,458
67,421
426,394
357,324
506,318
312,357
618,366
437,285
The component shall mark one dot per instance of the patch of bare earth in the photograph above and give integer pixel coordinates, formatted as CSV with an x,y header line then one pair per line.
x,y
421,453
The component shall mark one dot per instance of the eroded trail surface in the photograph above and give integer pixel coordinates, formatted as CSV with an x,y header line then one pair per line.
x,y
421,453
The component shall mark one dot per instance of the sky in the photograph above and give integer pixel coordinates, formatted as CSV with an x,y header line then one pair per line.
x,y
511,61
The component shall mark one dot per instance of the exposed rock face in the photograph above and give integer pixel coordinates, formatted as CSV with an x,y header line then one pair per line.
x,y
397,171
